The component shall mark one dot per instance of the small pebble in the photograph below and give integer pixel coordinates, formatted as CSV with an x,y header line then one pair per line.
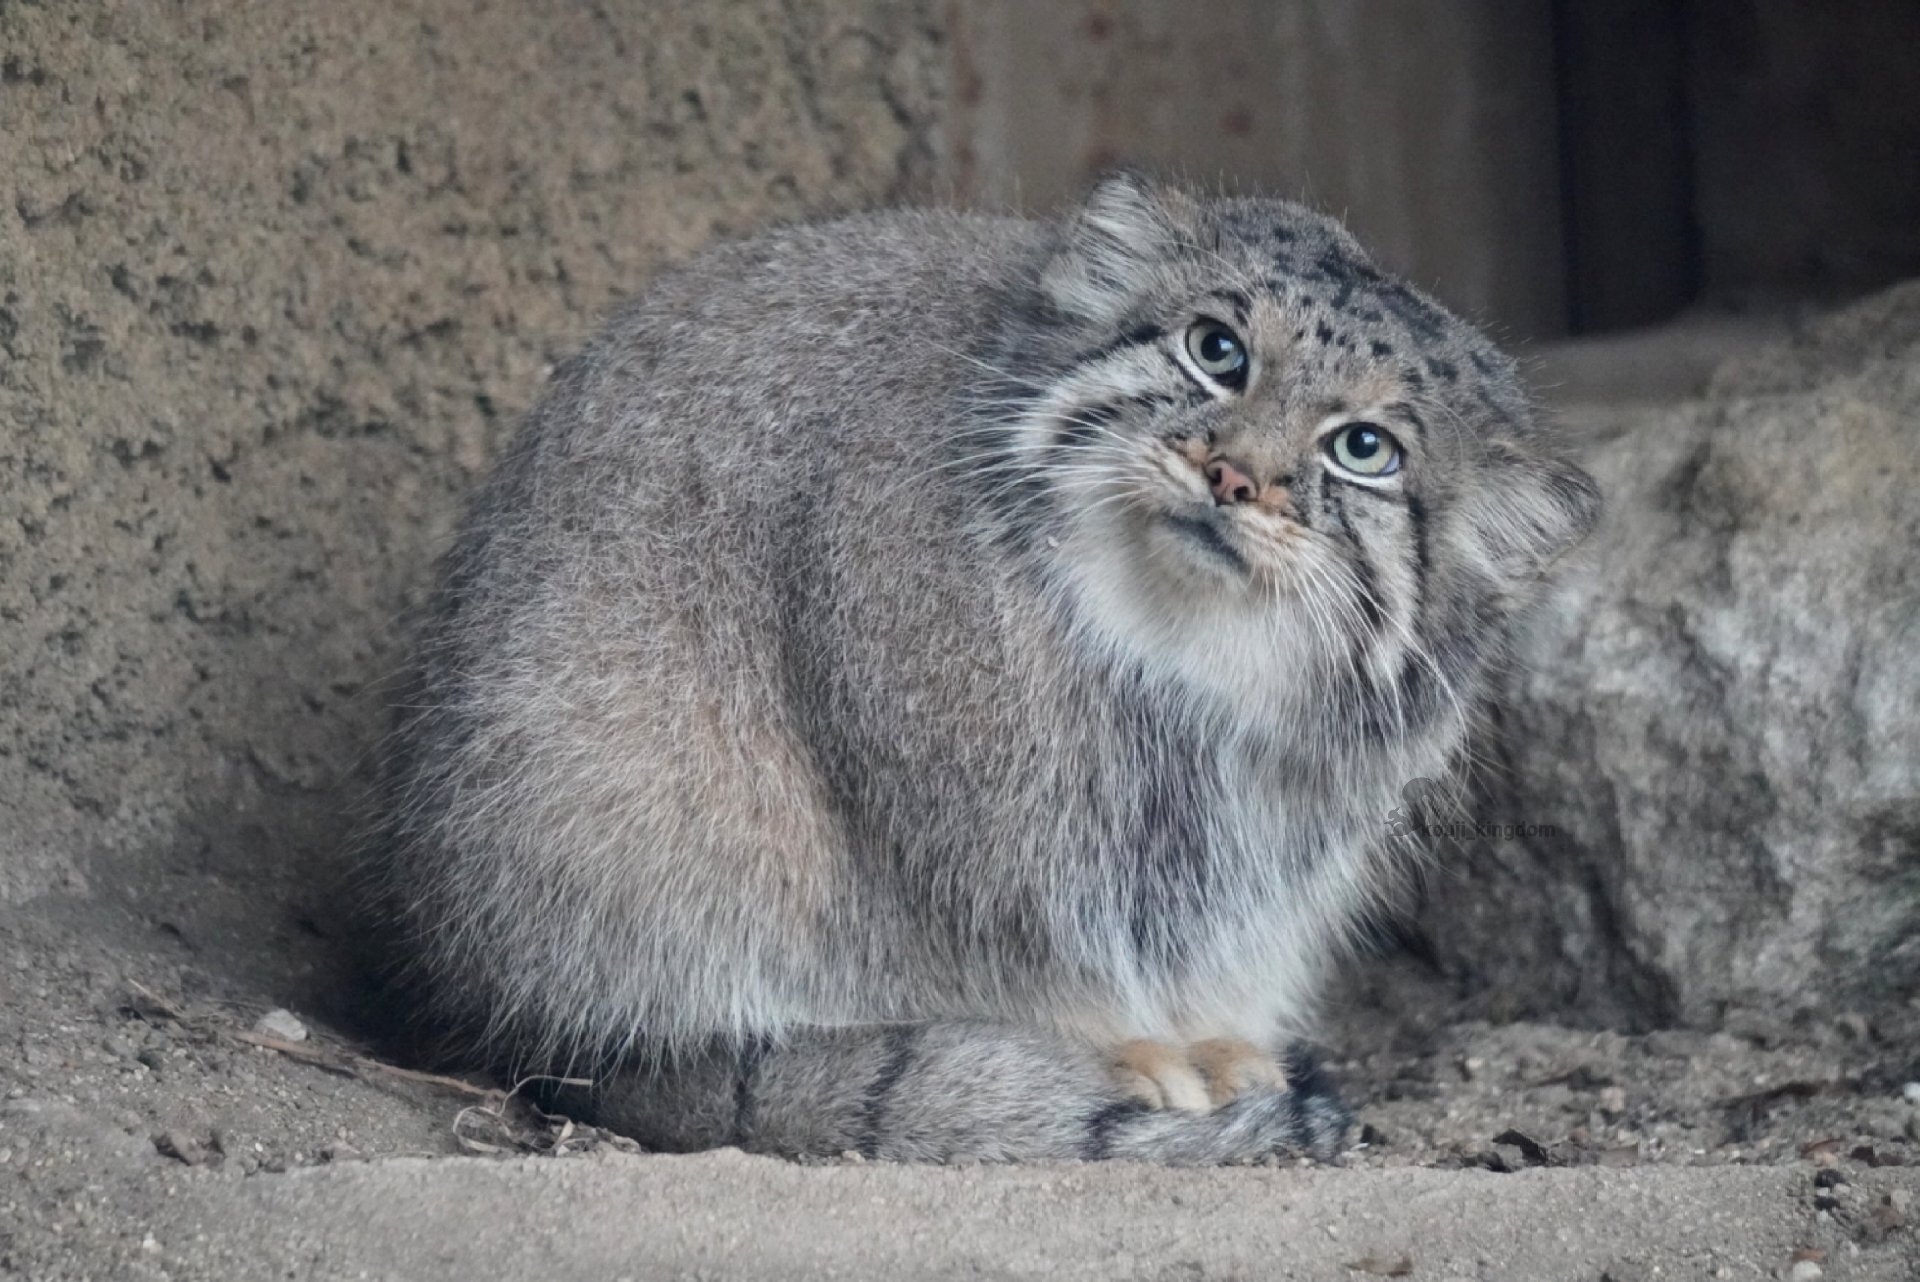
x,y
1911,1093
281,1023
182,1147
1613,1099
1806,1271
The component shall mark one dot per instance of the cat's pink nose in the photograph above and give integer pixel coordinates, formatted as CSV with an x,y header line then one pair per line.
x,y
1230,484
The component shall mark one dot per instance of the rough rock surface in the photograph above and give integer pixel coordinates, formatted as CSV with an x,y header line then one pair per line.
x,y
274,282
1719,713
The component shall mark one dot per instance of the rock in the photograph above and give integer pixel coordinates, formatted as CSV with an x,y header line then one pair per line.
x,y
182,1147
1710,728
283,1024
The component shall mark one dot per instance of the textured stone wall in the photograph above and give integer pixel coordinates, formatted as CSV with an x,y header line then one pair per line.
x,y
275,279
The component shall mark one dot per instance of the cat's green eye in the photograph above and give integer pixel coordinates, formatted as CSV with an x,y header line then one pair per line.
x,y
1365,450
1218,352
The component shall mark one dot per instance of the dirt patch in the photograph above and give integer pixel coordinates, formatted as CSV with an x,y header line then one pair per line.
x,y
133,1083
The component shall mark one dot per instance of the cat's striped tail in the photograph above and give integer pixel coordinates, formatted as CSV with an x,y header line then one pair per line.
x,y
944,1092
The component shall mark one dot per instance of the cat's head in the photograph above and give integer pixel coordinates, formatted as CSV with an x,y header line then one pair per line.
x,y
1252,459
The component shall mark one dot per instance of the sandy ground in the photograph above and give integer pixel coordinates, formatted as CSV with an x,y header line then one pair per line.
x,y
145,1132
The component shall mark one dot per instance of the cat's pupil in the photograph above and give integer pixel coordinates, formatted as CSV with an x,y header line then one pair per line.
x,y
1217,348
1363,443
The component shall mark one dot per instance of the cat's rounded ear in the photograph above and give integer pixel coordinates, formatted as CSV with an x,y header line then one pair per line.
x,y
1531,510
1111,244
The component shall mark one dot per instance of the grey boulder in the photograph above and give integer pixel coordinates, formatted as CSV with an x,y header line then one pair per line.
x,y
1706,772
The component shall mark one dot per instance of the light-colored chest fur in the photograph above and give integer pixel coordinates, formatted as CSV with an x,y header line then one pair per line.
x,y
1291,868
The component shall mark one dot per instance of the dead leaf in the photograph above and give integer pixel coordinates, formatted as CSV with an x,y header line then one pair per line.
x,y
1381,1266
1530,1148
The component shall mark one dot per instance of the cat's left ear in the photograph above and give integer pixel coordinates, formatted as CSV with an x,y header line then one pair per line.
x,y
1125,227
1532,510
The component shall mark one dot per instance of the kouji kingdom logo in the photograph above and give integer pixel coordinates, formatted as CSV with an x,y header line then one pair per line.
x,y
1424,800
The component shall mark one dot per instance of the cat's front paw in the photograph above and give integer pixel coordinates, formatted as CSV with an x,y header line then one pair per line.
x,y
1159,1075
1195,1078
1232,1067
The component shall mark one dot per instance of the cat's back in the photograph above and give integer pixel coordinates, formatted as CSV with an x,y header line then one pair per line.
x,y
802,329
743,411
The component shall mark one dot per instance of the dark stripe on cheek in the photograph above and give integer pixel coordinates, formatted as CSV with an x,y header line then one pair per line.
x,y
1082,426
1415,679
1139,336
1422,559
1335,502
1412,686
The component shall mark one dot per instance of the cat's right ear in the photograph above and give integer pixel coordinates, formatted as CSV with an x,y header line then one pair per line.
x,y
1110,247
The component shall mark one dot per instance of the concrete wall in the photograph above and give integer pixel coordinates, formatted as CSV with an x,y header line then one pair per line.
x,y
275,280
1432,128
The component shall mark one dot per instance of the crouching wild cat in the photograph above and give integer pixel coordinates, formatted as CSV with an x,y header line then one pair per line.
x,y
930,684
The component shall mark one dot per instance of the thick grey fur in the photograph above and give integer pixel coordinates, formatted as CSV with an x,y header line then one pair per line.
x,y
844,717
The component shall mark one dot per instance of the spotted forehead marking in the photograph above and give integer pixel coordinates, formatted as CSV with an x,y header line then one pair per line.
x,y
1336,302
1351,285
